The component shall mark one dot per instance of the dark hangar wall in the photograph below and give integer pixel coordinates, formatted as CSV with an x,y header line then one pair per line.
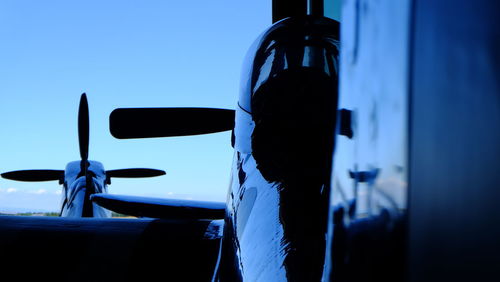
x,y
455,142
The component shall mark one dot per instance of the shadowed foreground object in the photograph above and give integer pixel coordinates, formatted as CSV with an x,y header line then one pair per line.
x,y
105,249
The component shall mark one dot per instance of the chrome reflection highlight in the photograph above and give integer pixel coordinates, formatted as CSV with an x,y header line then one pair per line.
x,y
275,226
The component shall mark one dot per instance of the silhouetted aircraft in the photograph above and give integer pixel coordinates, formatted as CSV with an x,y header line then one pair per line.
x,y
390,176
81,179
277,208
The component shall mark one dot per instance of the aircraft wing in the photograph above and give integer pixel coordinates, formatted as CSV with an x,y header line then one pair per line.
x,y
160,208
34,248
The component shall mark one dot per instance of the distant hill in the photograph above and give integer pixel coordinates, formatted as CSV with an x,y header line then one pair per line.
x,y
17,210
50,213
32,214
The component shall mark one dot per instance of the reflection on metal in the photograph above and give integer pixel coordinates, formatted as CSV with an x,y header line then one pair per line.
x,y
275,225
75,186
214,229
369,192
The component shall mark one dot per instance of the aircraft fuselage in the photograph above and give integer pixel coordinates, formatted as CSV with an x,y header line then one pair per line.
x,y
78,187
275,226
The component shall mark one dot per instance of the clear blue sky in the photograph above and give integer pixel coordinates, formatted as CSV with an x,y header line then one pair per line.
x,y
122,54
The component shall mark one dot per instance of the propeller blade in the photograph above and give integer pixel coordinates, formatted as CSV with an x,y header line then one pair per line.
x,y
83,127
134,172
126,123
34,175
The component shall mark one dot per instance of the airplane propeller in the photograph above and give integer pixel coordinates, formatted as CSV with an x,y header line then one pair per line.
x,y
134,172
34,175
83,141
126,123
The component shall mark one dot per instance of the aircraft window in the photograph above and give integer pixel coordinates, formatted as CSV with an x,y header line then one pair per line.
x,y
121,54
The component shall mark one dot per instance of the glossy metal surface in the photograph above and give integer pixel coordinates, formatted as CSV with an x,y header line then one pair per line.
x,y
370,175
277,204
77,190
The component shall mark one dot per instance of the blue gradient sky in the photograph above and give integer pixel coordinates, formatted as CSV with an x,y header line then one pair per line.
x,y
122,54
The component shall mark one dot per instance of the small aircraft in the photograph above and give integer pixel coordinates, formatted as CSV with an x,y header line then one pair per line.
x,y
81,179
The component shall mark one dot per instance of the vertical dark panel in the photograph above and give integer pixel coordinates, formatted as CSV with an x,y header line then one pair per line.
x,y
455,142
288,8
316,8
